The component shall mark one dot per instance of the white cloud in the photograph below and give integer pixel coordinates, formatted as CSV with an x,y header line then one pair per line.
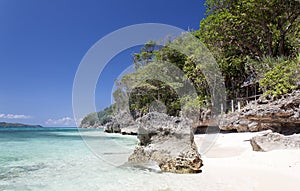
x,y
14,116
65,121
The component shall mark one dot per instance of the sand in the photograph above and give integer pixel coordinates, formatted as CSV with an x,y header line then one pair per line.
x,y
230,160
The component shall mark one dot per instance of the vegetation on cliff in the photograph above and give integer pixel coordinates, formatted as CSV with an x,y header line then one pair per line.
x,y
283,78
244,35
256,44
97,118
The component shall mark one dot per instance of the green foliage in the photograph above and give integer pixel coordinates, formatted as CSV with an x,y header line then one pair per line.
x,y
247,36
283,78
166,76
168,54
195,75
254,28
146,54
104,116
151,88
194,104
260,67
101,117
153,95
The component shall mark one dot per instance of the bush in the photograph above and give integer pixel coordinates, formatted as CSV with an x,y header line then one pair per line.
x,y
283,78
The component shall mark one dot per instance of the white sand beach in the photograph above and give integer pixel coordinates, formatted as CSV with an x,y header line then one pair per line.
x,y
231,160
68,164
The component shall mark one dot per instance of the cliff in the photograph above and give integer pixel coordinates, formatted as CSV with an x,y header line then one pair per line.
x,y
97,119
281,116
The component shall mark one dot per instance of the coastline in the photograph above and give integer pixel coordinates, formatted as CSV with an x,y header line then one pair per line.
x,y
230,165
8,125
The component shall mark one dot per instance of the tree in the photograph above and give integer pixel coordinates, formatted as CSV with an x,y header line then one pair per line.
x,y
252,27
239,31
98,118
146,55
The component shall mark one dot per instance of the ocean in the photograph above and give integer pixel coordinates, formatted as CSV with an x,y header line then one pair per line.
x,y
68,159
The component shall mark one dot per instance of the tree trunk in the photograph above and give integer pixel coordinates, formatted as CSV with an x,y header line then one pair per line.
x,y
281,44
269,39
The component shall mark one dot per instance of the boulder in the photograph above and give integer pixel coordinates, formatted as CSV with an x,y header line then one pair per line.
x,y
130,130
167,141
273,141
121,120
112,127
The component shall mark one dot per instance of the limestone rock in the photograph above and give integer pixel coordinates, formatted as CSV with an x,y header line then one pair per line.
x,y
112,127
130,130
201,120
169,142
91,125
273,141
121,120
282,116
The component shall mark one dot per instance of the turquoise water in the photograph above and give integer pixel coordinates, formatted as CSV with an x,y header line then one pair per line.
x,y
66,159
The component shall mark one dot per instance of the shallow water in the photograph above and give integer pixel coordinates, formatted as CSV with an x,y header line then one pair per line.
x,y
65,159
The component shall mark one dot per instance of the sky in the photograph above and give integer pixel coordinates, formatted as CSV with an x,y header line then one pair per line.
x,y
42,43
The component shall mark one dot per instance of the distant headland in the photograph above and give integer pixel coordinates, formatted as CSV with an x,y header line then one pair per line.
x,y
4,124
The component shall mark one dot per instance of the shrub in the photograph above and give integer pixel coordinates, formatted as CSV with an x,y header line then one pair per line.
x,y
283,78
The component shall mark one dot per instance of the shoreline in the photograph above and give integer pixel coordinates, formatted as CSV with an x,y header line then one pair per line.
x,y
231,158
231,164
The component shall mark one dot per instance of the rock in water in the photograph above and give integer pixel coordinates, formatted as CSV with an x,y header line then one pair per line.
x,y
168,141
273,141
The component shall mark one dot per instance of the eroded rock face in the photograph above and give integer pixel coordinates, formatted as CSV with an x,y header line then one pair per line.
x,y
130,130
169,142
93,126
282,116
201,120
273,141
121,122
112,127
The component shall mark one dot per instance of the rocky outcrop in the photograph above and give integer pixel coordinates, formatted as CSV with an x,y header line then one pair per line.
x,y
91,126
121,122
112,127
167,141
201,120
273,141
97,119
130,130
282,116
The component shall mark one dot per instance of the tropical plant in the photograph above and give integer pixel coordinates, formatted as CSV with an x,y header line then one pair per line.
x,y
283,78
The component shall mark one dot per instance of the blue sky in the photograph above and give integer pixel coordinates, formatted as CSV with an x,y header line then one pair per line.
x,y
43,41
